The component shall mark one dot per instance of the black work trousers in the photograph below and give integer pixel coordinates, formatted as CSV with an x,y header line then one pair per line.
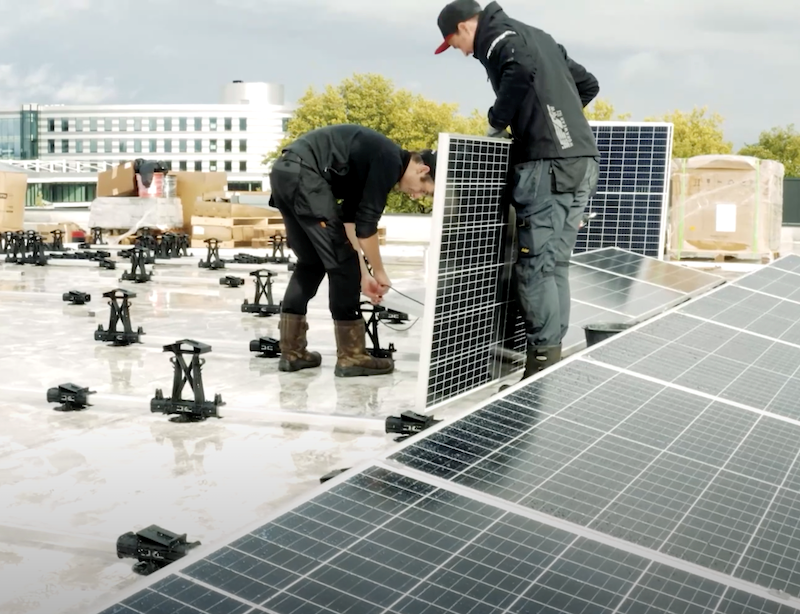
x,y
316,235
550,197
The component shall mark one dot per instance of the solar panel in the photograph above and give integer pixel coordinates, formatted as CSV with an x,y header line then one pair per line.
x,y
645,475
631,201
384,542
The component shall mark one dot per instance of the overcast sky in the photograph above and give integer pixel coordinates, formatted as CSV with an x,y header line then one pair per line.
x,y
740,58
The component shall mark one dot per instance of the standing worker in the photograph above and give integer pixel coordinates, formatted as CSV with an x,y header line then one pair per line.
x,y
358,166
540,94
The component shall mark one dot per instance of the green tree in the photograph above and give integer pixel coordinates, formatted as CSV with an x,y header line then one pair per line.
x,y
602,110
781,144
695,133
371,100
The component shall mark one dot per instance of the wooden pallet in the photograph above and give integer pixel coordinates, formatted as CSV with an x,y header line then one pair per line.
x,y
733,257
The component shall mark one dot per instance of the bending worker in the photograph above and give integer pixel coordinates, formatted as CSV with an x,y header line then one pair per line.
x,y
358,166
540,94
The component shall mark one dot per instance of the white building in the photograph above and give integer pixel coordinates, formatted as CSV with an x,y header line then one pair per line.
x,y
62,142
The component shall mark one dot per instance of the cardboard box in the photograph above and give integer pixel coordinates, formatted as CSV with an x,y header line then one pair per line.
x,y
133,212
725,205
192,185
13,188
117,181
206,208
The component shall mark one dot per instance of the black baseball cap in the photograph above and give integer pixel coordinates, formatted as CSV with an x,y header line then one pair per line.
x,y
429,158
453,14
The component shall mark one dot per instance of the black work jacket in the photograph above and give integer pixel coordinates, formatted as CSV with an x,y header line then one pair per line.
x,y
541,91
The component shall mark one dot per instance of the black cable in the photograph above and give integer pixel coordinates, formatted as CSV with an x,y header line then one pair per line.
x,y
399,330
406,296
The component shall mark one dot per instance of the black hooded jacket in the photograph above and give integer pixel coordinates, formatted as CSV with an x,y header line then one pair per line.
x,y
540,91
361,166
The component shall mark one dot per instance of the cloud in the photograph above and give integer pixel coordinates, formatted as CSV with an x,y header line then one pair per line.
x,y
45,85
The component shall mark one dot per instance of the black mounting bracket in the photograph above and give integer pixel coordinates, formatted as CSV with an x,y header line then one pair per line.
x,y
71,396
249,259
154,548
212,261
76,297
376,351
97,236
408,424
263,280
182,245
16,247
278,246
332,474
266,346
167,246
197,409
58,241
120,312
392,315
137,264
36,246
6,241
231,281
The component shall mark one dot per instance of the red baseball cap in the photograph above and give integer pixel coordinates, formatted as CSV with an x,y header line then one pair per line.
x,y
453,14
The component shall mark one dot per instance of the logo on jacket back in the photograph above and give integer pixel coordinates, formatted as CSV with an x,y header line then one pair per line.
x,y
557,117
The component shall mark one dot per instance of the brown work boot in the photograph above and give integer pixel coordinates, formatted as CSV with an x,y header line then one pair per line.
x,y
352,358
294,355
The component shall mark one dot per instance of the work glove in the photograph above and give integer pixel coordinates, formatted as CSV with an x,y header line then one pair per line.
x,y
498,133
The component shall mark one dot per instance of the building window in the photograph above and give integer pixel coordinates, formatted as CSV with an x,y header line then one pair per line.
x,y
168,164
182,125
123,124
243,124
108,147
51,125
153,144
123,147
182,145
228,145
153,124
285,124
198,146
108,127
93,124
212,166
78,125
137,124
182,165
243,145
93,146
228,166
64,146
78,146
137,146
198,124
167,124
242,166
168,146
64,125
212,123
51,146
212,145
228,124
198,166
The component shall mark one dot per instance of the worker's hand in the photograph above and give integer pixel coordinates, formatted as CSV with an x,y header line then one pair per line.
x,y
498,133
383,279
371,289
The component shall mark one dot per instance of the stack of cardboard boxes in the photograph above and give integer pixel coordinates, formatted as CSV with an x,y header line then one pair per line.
x,y
119,186
219,216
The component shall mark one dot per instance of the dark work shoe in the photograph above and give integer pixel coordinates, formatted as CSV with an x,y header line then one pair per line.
x,y
352,358
538,359
294,355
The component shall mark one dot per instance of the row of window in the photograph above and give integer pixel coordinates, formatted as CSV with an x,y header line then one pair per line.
x,y
213,165
140,124
139,147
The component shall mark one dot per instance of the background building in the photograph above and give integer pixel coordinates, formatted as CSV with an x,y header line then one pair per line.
x,y
64,146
